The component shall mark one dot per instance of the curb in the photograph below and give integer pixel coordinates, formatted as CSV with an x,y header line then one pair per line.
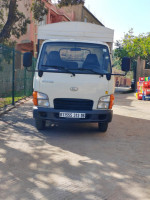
x,y
8,108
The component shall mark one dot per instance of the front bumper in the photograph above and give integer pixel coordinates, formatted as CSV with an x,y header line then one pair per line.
x,y
91,116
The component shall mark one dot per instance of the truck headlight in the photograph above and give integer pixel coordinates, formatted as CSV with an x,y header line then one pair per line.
x,y
106,102
40,99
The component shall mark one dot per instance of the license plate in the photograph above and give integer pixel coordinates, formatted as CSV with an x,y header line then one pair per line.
x,y
72,115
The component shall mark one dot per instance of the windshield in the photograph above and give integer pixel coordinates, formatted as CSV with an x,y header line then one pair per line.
x,y
75,57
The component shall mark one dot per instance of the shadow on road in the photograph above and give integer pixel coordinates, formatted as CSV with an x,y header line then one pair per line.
x,y
123,90
73,161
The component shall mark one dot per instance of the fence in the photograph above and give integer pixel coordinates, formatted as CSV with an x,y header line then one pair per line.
x,y
15,80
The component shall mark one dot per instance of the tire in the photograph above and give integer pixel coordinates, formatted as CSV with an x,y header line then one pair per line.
x,y
102,126
40,124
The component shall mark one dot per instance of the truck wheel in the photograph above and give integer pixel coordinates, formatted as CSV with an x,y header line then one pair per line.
x,y
102,126
40,124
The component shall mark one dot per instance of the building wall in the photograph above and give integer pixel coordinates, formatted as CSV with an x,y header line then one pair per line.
x,y
88,17
121,81
81,13
27,38
75,9
141,71
28,41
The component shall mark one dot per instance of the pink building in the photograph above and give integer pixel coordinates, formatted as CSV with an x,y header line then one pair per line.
x,y
28,42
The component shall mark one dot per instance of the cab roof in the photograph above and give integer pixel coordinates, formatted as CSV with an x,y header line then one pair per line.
x,y
76,31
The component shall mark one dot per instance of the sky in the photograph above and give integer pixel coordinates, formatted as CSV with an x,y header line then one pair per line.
x,y
122,15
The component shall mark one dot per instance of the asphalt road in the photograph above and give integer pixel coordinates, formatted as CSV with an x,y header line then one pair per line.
x,y
75,161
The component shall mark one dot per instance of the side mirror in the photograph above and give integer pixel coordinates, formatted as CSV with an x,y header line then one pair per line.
x,y
126,63
27,59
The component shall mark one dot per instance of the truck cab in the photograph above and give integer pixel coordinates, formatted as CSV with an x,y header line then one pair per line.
x,y
73,81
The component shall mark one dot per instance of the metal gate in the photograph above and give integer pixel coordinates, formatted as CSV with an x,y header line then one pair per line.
x,y
15,81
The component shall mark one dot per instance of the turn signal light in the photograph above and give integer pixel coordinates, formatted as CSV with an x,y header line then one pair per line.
x,y
35,101
112,98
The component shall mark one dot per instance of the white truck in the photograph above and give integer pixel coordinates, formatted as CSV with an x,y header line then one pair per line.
x,y
73,80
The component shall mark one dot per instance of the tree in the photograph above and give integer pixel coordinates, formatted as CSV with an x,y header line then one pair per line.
x,y
14,22
39,10
121,51
70,2
134,46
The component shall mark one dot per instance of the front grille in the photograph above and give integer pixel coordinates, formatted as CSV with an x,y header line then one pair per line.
x,y
73,104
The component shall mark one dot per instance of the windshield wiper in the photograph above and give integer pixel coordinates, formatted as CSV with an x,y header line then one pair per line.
x,y
61,68
91,70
